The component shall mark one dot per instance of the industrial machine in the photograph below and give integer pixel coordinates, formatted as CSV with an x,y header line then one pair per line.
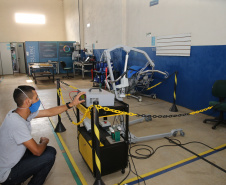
x,y
76,53
104,97
132,77
127,83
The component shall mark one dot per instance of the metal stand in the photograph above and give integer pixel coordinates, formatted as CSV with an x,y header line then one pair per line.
x,y
81,66
60,127
134,139
140,120
174,107
96,144
139,98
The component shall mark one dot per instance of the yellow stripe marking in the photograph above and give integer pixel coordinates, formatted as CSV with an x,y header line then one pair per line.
x,y
82,179
172,165
96,131
90,142
98,162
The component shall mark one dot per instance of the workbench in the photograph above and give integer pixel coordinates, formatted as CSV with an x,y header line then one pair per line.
x,y
55,64
42,70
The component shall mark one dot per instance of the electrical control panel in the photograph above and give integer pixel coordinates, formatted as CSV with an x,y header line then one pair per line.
x,y
105,124
104,97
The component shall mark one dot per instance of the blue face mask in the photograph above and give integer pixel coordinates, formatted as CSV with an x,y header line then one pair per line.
x,y
35,106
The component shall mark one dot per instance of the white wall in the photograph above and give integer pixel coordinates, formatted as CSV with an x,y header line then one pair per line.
x,y
71,15
204,19
115,21
105,18
127,21
53,30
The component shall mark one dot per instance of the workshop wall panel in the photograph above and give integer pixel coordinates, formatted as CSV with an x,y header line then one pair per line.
x,y
173,45
42,51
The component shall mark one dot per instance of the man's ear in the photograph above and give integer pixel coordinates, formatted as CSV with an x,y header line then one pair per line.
x,y
27,102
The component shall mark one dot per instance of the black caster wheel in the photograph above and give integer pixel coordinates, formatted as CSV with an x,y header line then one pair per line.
x,y
214,127
154,96
175,134
204,121
123,171
182,133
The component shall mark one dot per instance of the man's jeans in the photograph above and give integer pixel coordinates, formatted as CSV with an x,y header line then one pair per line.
x,y
31,165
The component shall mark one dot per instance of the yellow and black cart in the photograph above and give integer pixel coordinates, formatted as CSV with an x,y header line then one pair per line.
x,y
113,155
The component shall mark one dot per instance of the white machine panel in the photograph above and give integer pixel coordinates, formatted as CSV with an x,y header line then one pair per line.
x,y
105,124
87,124
104,98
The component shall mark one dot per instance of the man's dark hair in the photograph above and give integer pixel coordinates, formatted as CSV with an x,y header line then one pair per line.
x,y
19,96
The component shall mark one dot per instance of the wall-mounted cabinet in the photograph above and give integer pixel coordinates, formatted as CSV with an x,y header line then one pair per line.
x,y
5,59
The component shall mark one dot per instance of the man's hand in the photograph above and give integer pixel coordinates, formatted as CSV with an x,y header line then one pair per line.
x,y
37,149
44,140
76,100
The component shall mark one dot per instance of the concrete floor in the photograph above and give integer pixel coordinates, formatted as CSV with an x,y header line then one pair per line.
x,y
197,172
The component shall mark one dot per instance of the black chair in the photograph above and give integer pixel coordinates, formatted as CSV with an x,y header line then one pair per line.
x,y
219,91
65,68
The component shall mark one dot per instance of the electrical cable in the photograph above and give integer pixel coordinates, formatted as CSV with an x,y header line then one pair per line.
x,y
114,120
197,155
130,168
135,168
152,151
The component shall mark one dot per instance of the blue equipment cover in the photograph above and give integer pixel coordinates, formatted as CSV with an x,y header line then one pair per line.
x,y
132,70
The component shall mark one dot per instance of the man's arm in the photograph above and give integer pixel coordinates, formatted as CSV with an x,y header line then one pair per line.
x,y
36,149
52,111
59,109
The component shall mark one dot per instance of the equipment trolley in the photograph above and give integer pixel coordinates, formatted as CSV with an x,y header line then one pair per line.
x,y
113,155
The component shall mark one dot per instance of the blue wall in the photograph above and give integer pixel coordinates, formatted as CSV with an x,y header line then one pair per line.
x,y
196,74
32,52
39,51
